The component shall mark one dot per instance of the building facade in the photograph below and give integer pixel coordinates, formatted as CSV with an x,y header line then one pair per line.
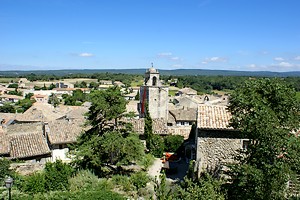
x,y
153,94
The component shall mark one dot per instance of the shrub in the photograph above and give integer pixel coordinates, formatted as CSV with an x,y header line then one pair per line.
x,y
147,161
122,181
34,183
57,175
139,179
84,180
156,145
4,169
173,142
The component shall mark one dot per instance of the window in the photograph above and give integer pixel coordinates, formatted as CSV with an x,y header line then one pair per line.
x,y
245,144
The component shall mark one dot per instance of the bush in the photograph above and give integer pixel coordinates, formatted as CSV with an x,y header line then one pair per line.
x,y
139,180
57,175
156,145
173,142
147,161
34,184
84,180
122,181
4,169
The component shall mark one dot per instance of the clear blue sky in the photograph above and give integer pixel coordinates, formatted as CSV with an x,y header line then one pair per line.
x,y
173,34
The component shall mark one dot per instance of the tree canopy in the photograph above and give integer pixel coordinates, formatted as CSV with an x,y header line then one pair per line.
x,y
267,113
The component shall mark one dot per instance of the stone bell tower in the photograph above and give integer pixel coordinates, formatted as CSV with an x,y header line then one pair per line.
x,y
155,95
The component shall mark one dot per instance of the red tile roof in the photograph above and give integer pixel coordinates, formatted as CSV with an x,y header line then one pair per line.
x,y
213,117
28,145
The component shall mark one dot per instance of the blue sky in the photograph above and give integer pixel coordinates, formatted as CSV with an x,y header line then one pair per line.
x,y
249,35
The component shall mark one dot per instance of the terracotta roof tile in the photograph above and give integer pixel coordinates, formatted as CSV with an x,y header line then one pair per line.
x,y
4,144
64,132
213,117
159,125
28,145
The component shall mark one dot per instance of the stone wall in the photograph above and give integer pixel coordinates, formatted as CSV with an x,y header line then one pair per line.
x,y
214,152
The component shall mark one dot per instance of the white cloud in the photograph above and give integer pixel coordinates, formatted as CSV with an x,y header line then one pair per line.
x,y
86,55
278,59
214,59
164,54
253,66
175,58
297,58
285,64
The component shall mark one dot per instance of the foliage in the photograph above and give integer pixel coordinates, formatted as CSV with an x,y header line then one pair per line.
x,y
137,96
107,105
147,161
173,142
86,180
123,181
205,188
94,85
156,145
139,179
34,183
28,95
25,104
13,85
82,84
107,145
57,174
7,108
4,169
148,132
266,112
53,100
15,92
76,99
162,190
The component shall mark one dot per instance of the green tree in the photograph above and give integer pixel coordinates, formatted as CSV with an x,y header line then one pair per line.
x,y
7,108
137,96
94,85
4,169
266,112
173,142
25,104
53,100
205,188
107,143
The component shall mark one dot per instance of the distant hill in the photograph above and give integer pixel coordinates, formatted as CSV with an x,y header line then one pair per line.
x,y
177,72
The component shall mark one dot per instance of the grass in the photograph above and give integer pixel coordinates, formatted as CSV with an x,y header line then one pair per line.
x,y
298,95
8,80
137,83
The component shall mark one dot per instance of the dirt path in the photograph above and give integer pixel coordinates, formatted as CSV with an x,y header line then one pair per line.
x,y
154,170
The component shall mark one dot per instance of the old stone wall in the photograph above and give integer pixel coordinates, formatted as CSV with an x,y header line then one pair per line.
x,y
214,152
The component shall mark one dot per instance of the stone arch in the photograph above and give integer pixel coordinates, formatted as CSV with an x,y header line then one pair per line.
x,y
154,81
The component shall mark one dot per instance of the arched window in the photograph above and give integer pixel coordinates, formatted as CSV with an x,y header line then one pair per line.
x,y
154,81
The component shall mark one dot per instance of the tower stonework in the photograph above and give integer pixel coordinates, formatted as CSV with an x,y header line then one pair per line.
x,y
155,95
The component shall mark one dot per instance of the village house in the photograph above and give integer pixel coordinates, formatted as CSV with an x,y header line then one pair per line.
x,y
186,91
216,142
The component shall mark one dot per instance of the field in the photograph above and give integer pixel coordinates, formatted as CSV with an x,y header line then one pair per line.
x,y
8,80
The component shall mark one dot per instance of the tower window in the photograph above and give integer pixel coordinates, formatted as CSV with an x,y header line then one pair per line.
x,y
154,81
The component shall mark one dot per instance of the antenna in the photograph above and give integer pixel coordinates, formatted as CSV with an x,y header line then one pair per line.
x,y
152,64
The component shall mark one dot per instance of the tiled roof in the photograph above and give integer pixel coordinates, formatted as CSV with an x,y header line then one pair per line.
x,y
4,144
188,91
64,131
28,145
213,117
159,125
184,114
42,112
24,128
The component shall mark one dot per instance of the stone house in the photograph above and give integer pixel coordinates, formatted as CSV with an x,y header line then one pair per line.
x,y
186,91
216,142
182,117
24,142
